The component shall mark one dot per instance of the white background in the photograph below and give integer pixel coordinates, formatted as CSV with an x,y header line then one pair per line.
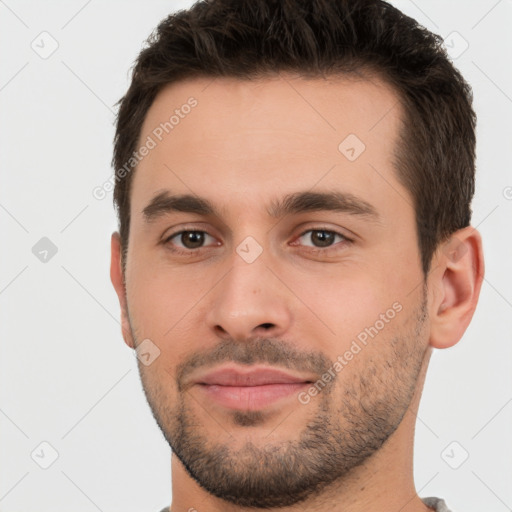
x,y
66,376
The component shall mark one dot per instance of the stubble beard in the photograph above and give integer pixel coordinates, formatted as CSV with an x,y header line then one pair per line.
x,y
350,423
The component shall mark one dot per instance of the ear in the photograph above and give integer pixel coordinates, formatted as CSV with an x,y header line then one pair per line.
x,y
456,279
117,278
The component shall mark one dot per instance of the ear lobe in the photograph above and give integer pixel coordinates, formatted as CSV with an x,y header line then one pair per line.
x,y
457,279
117,278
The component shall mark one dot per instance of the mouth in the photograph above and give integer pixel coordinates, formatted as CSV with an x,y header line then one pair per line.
x,y
250,388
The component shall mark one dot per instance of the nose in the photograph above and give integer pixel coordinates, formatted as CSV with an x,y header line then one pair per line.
x,y
248,302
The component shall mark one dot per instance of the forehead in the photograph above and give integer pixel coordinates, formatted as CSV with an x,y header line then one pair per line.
x,y
279,133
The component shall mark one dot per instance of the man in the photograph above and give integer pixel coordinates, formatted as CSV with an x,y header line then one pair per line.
x,y
293,185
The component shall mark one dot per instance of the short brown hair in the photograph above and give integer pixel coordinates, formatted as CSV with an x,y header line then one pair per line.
x,y
249,39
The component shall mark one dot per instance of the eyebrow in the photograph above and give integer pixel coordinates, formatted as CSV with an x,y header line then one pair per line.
x,y
295,203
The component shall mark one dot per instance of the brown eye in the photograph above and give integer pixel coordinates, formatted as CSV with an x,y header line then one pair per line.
x,y
320,238
192,239
188,240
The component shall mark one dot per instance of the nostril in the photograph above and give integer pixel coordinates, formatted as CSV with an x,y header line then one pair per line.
x,y
267,325
220,329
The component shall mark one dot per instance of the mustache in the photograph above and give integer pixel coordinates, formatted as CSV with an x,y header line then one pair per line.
x,y
271,351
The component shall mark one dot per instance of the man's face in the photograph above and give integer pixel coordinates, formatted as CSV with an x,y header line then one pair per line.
x,y
333,297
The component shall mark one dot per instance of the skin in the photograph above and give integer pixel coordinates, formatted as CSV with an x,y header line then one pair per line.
x,y
245,144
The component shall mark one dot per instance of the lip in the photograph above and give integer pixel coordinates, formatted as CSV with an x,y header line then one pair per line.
x,y
252,388
234,375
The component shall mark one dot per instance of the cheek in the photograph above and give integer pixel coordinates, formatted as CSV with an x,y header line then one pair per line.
x,y
164,306
159,296
336,308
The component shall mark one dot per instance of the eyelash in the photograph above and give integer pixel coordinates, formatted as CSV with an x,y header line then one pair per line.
x,y
189,252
